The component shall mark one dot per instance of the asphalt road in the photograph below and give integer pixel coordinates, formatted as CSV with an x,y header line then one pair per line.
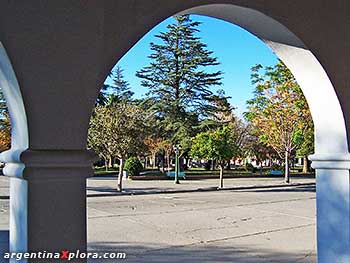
x,y
253,225
261,225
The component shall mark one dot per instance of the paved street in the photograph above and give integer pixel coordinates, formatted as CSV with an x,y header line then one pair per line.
x,y
270,225
252,225
107,185
97,186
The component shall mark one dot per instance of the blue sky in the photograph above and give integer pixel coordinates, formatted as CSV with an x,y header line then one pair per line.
x,y
236,49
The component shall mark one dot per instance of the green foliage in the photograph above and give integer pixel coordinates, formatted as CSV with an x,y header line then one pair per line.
x,y
118,92
117,130
277,167
254,147
178,81
133,166
307,143
250,168
216,145
221,112
279,111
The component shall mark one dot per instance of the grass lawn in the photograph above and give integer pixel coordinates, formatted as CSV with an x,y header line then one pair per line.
x,y
236,171
202,171
240,171
102,170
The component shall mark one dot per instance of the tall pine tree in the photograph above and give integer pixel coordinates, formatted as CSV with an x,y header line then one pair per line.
x,y
178,79
116,92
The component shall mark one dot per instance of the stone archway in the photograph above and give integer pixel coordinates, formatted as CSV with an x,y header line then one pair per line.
x,y
324,105
95,33
331,159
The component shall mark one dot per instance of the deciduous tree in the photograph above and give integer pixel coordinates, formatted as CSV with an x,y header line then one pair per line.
x,y
219,145
154,145
5,132
117,130
279,111
5,125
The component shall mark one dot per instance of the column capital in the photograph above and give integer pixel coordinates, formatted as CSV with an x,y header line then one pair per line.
x,y
19,162
330,161
57,158
13,165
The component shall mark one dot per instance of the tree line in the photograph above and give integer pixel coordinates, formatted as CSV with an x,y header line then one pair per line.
x,y
185,106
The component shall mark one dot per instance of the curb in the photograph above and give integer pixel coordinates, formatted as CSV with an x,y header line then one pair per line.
x,y
208,189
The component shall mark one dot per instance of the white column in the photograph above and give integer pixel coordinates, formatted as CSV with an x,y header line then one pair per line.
x,y
18,201
14,167
333,207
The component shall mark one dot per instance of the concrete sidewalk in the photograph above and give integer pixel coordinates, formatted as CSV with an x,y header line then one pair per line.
x,y
106,186
274,225
246,226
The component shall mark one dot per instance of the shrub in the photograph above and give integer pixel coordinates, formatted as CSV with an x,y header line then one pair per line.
x,y
277,167
207,166
250,168
133,166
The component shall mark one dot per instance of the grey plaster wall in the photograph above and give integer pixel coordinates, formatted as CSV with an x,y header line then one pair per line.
x,y
62,51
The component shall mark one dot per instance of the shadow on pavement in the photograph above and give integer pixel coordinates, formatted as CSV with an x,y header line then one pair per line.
x,y
110,191
4,243
307,188
202,253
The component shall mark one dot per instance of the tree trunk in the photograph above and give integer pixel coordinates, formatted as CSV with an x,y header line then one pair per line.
x,y
185,164
168,160
305,165
153,161
208,165
120,175
286,169
110,164
228,165
221,184
213,164
106,165
259,165
163,162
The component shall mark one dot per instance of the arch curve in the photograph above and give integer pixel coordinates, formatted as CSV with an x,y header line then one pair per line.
x,y
331,159
312,78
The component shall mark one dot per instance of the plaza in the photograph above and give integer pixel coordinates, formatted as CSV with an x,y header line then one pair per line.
x,y
54,57
261,224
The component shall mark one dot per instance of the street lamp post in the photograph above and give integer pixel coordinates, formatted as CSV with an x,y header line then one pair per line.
x,y
176,164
